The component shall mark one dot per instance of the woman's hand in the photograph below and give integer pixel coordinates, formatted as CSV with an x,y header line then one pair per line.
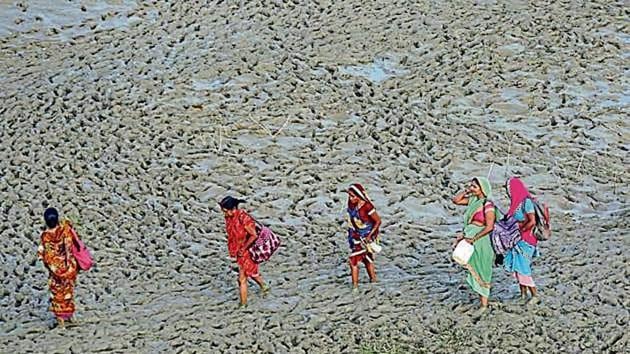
x,y
469,240
458,238
240,252
462,197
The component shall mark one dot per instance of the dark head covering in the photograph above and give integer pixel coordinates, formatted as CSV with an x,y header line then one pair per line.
x,y
230,202
51,216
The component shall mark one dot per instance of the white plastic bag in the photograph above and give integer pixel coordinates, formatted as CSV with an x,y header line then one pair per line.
x,y
463,252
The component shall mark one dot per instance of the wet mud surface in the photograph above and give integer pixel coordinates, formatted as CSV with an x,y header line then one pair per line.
x,y
135,118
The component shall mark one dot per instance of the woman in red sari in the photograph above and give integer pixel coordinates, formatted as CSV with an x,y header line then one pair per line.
x,y
241,232
363,227
55,251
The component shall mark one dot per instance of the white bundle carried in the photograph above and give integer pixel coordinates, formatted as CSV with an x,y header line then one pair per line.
x,y
463,252
374,247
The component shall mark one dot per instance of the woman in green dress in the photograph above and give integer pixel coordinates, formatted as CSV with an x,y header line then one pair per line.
x,y
478,224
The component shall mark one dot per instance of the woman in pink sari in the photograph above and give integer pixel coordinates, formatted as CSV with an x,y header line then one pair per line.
x,y
519,259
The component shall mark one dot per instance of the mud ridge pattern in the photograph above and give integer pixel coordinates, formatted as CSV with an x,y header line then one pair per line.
x,y
135,121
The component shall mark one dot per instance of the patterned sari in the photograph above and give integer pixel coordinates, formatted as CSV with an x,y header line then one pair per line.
x,y
55,251
360,224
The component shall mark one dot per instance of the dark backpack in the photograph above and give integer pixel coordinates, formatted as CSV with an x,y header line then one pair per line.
x,y
542,229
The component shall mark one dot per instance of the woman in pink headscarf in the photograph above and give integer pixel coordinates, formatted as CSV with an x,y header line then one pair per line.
x,y
519,259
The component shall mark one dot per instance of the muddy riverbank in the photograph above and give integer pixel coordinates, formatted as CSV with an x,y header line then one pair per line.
x,y
135,118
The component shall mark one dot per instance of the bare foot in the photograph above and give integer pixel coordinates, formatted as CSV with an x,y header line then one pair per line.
x,y
61,323
266,289
523,300
480,312
533,301
496,304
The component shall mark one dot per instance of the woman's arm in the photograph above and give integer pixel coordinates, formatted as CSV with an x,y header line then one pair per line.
x,y
40,250
251,238
40,253
461,198
490,218
68,240
376,219
529,222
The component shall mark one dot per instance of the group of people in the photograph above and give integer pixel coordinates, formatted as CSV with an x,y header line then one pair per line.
x,y
479,219
363,239
363,231
363,227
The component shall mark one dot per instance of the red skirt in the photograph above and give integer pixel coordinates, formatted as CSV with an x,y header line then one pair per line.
x,y
249,267
361,255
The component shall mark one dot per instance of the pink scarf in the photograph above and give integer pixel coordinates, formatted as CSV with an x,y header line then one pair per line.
x,y
518,193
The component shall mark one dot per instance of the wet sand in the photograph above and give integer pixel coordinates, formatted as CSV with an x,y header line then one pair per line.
x,y
134,119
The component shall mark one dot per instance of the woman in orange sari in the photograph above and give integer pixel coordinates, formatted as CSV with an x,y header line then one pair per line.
x,y
241,231
55,251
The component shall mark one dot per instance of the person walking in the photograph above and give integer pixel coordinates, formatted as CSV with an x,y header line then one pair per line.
x,y
241,235
363,228
55,250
